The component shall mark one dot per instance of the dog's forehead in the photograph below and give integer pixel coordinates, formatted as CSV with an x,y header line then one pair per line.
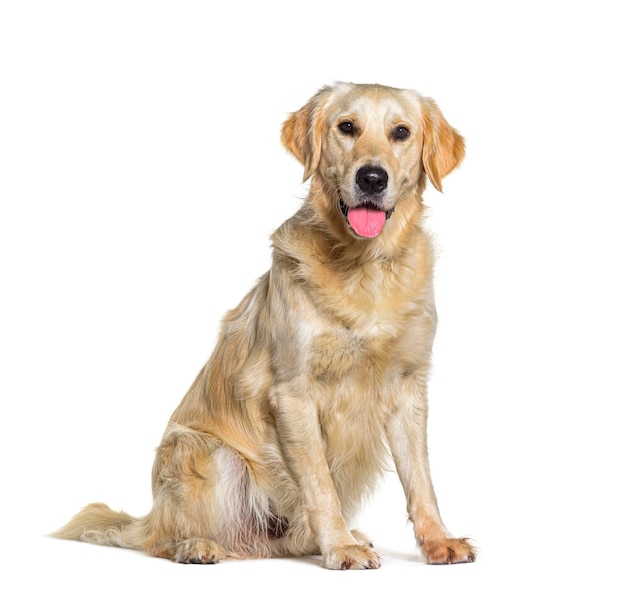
x,y
378,103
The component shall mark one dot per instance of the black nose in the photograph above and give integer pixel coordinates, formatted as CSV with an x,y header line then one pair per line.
x,y
372,180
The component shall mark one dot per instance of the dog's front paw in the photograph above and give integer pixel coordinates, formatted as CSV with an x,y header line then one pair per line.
x,y
361,538
351,557
448,550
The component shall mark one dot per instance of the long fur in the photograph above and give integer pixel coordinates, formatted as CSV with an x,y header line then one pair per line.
x,y
319,374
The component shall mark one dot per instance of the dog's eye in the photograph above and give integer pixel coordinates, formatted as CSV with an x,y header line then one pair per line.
x,y
347,127
401,133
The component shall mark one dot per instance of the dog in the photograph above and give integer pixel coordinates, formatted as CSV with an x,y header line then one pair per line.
x,y
320,373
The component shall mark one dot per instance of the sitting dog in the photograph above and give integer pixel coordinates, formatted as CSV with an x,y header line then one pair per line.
x,y
322,368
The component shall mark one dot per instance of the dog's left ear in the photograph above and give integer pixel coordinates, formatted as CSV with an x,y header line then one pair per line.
x,y
444,147
302,132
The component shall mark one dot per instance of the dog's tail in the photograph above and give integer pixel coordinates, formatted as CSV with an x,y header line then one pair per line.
x,y
99,524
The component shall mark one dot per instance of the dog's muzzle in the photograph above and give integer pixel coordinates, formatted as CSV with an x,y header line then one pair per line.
x,y
367,218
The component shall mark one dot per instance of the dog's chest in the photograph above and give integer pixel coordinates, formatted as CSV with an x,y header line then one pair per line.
x,y
341,353
373,352
351,381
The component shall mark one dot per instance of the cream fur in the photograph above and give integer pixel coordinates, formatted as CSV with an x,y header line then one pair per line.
x,y
320,373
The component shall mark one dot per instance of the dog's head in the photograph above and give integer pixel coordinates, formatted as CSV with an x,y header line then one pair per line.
x,y
371,145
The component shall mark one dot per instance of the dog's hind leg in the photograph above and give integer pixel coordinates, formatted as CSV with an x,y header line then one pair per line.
x,y
206,505
183,523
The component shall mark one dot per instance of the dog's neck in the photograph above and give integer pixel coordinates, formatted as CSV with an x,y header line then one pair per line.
x,y
318,232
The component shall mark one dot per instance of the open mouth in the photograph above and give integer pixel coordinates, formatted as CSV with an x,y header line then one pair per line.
x,y
366,220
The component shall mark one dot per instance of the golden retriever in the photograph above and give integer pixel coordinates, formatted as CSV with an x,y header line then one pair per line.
x,y
322,368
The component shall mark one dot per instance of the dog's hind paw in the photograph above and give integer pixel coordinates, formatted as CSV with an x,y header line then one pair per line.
x,y
198,550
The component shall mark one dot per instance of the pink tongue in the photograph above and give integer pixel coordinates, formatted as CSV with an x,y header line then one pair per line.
x,y
366,222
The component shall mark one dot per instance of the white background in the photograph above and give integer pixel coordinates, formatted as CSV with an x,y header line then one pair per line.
x,y
141,175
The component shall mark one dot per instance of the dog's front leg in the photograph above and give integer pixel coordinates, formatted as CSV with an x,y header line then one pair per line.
x,y
301,441
406,433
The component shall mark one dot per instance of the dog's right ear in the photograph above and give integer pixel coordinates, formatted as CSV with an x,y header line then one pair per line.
x,y
444,147
303,131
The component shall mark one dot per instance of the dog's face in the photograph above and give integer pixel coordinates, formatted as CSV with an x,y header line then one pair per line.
x,y
371,145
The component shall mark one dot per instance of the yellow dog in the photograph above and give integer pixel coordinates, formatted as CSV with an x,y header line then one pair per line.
x,y
323,366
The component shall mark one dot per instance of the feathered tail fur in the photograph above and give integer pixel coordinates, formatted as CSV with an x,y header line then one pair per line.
x,y
99,524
